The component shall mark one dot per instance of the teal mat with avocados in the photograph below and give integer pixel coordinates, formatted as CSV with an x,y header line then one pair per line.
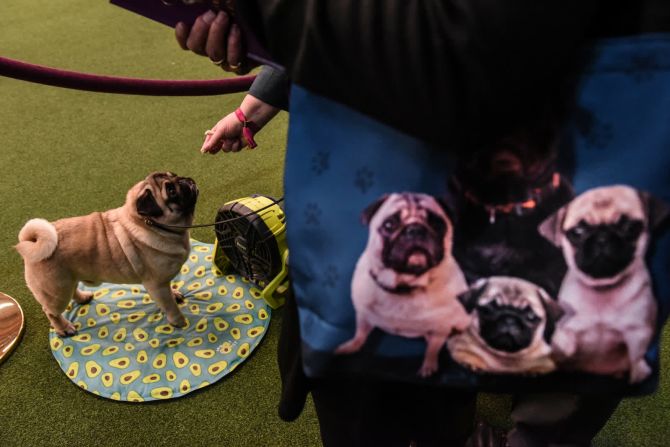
x,y
126,350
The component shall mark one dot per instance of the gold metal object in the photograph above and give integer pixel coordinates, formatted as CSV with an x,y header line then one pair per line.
x,y
12,323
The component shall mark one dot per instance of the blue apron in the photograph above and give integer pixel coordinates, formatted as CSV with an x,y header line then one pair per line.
x,y
339,162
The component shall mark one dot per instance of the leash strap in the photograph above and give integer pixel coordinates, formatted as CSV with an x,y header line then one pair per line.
x,y
112,84
152,223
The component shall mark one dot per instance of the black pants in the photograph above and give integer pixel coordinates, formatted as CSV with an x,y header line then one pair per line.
x,y
566,420
357,413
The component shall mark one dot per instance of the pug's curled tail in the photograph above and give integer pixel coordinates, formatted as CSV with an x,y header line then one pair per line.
x,y
37,240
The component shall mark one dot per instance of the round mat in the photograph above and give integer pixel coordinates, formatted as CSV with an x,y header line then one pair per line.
x,y
126,350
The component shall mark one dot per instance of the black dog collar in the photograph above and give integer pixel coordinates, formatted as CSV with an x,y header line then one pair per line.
x,y
401,289
518,208
169,228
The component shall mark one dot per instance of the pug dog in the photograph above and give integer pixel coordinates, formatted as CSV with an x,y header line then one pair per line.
x,y
511,327
606,292
406,281
130,244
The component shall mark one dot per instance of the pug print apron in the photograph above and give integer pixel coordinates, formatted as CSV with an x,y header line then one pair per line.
x,y
399,275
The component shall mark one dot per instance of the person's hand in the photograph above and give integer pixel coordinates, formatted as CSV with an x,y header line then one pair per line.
x,y
226,135
217,36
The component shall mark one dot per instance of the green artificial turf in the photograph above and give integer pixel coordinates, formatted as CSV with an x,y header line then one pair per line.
x,y
67,153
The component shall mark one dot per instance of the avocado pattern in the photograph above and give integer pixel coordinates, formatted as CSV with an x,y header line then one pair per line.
x,y
126,350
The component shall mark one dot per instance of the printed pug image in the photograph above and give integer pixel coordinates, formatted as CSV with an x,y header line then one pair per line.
x,y
511,327
606,293
406,281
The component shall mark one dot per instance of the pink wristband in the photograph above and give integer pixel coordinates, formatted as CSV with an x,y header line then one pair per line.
x,y
249,128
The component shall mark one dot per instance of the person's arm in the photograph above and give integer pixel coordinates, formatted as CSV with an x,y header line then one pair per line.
x,y
453,72
272,87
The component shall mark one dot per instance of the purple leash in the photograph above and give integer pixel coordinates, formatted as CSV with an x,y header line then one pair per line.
x,y
112,84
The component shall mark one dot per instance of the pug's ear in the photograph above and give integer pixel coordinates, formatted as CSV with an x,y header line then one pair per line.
x,y
656,209
470,297
370,211
551,307
147,206
553,311
551,227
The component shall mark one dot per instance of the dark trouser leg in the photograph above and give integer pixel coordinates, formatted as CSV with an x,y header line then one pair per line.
x,y
553,420
295,385
363,414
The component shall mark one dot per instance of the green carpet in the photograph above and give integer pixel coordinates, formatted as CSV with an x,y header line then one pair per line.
x,y
66,153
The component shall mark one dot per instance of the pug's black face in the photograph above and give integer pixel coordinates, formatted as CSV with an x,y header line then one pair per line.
x,y
167,197
507,328
605,250
413,247
181,193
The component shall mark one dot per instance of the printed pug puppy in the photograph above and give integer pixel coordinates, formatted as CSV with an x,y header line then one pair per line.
x,y
406,281
606,293
512,322
115,246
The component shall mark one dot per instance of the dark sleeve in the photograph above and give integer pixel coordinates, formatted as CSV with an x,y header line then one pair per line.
x,y
450,71
271,86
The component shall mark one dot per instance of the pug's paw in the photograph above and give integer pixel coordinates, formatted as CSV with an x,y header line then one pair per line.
x,y
540,370
349,347
640,371
82,297
474,368
428,368
178,297
67,331
563,345
177,320
469,360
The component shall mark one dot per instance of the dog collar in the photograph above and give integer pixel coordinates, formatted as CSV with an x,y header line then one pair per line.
x,y
518,208
169,228
178,230
402,289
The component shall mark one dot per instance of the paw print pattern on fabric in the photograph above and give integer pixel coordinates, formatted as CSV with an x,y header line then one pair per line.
x,y
331,277
364,179
320,162
312,214
642,67
596,133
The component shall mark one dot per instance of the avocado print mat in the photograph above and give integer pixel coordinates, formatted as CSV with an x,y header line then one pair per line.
x,y
126,350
